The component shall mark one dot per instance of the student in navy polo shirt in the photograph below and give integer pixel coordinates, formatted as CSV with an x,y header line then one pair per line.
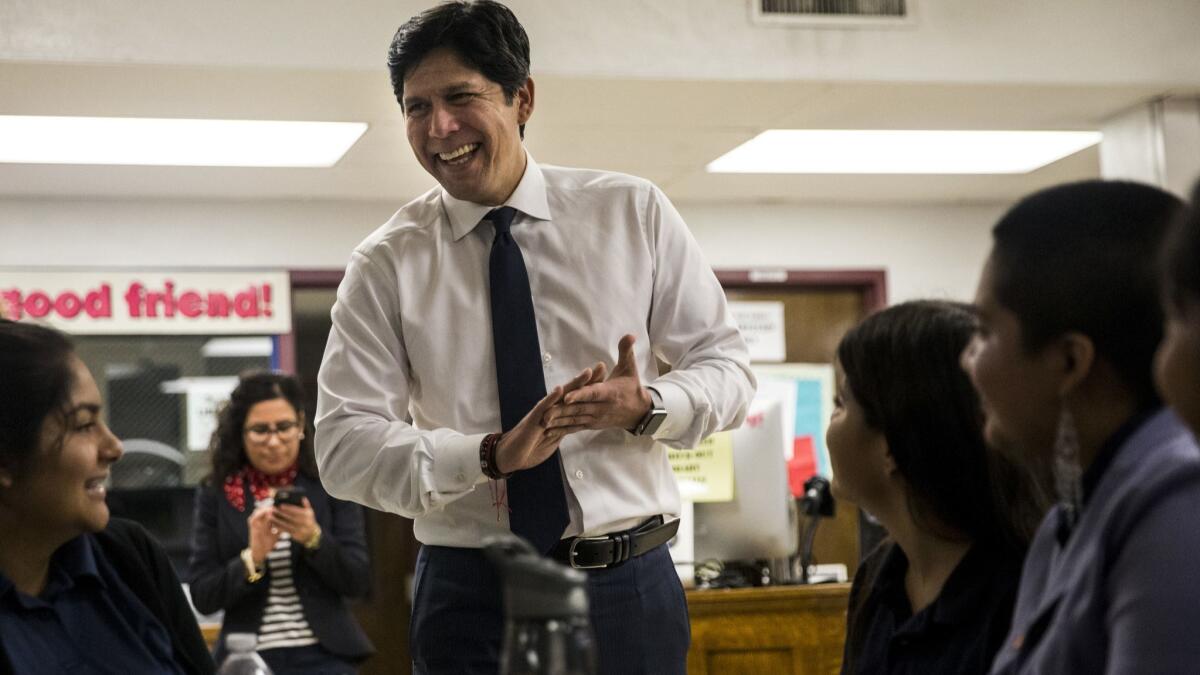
x,y
79,592
906,441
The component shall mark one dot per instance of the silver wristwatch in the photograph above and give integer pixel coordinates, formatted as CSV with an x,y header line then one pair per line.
x,y
653,419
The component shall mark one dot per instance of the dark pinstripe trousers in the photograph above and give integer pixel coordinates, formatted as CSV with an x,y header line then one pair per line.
x,y
638,613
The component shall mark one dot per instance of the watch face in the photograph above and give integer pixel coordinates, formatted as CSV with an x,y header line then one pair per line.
x,y
656,418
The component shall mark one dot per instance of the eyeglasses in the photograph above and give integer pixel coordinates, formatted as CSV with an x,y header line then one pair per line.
x,y
261,433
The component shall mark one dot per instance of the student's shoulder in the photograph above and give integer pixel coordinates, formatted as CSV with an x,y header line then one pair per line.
x,y
124,539
125,530
1155,477
1161,457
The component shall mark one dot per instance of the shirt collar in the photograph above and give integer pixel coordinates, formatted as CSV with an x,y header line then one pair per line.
x,y
890,582
529,198
1108,451
976,576
73,562
961,596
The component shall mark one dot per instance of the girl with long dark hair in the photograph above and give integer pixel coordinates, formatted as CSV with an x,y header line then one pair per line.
x,y
906,443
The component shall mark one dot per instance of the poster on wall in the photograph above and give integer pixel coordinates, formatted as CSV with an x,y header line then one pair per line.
x,y
244,302
705,473
203,398
807,391
761,324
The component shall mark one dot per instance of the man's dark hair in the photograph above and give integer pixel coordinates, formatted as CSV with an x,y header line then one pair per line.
x,y
1084,257
1181,259
483,33
902,367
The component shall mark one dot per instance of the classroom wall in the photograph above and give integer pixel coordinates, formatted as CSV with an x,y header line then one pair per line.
x,y
927,251
933,250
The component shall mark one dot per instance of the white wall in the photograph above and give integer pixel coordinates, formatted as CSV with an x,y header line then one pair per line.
x,y
170,233
927,251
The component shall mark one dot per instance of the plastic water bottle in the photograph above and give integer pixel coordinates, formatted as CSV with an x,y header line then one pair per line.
x,y
242,659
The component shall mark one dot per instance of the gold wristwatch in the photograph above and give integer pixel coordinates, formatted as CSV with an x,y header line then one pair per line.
x,y
253,574
315,540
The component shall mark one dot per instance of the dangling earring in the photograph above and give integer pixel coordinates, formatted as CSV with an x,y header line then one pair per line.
x,y
1068,475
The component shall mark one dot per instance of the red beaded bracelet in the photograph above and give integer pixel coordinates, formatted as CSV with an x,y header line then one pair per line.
x,y
487,457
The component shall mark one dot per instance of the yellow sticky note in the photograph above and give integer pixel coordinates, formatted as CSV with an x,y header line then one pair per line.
x,y
705,473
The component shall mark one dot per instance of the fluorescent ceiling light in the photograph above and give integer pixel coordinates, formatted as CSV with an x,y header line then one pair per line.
x,y
893,151
174,142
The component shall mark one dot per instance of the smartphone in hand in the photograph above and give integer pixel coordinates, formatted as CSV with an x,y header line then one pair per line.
x,y
291,494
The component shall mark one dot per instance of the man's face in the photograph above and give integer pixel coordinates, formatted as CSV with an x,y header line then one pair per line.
x,y
463,130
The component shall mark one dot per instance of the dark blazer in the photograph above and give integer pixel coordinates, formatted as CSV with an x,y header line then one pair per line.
x,y
324,578
143,566
1120,594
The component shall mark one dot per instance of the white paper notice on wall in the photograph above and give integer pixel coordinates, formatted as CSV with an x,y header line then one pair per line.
x,y
761,324
205,395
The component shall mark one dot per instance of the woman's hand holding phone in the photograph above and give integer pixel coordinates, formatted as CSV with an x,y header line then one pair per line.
x,y
297,520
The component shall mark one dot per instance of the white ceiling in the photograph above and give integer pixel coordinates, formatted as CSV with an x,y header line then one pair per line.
x,y
656,88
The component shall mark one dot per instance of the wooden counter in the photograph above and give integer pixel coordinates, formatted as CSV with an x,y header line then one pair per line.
x,y
782,630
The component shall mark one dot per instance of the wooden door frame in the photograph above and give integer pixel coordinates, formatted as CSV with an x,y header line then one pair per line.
x,y
872,283
286,343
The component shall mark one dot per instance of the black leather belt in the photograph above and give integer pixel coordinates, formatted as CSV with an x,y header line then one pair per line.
x,y
615,548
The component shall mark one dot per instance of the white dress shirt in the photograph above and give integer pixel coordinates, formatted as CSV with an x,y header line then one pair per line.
x,y
407,387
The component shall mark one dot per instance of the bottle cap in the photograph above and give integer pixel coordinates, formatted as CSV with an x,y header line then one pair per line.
x,y
241,642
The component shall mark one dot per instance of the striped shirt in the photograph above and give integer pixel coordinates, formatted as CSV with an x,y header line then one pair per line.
x,y
283,623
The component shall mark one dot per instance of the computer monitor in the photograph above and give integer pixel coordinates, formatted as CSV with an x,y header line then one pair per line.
x,y
761,521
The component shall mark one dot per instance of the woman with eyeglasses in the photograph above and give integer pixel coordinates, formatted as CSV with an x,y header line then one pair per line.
x,y
269,545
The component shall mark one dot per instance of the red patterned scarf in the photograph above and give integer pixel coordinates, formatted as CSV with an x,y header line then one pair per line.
x,y
260,484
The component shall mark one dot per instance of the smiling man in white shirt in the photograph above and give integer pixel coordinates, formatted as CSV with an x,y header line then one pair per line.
x,y
416,414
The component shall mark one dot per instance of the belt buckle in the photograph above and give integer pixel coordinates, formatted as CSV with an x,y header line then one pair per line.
x,y
571,553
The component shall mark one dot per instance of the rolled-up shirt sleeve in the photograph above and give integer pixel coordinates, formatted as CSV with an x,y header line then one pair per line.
x,y
710,385
367,449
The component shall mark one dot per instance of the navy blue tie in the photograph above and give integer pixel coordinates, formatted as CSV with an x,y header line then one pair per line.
x,y
536,497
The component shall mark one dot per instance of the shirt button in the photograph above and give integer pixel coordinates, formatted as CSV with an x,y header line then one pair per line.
x,y
546,358
579,474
